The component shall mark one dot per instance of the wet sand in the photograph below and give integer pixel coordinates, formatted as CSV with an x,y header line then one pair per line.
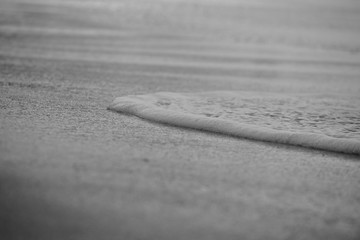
x,y
70,169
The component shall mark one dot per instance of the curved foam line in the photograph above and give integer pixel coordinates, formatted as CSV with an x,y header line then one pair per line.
x,y
151,112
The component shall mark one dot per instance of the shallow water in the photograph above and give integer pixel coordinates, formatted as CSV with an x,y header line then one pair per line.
x,y
332,115
323,121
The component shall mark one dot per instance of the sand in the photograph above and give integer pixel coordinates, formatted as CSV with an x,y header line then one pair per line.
x,y
71,169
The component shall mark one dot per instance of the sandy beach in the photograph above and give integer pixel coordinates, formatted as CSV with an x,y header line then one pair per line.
x,y
71,169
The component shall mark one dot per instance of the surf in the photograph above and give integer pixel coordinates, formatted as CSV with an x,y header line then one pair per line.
x,y
319,121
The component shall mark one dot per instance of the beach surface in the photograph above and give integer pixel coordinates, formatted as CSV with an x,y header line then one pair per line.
x,y
71,169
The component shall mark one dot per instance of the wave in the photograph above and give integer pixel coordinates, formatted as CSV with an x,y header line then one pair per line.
x,y
322,121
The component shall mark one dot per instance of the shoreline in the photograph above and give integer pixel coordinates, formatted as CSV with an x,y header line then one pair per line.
x,y
69,168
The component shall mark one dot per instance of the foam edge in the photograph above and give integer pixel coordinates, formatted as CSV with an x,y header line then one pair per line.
x,y
151,112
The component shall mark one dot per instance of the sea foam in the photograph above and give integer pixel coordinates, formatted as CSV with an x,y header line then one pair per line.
x,y
321,121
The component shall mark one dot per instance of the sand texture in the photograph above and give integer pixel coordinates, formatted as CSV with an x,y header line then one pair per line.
x,y
71,169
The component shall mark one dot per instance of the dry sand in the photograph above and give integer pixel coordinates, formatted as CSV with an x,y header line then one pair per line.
x,y
70,169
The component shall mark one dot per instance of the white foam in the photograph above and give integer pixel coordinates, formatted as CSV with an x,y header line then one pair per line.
x,y
244,115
